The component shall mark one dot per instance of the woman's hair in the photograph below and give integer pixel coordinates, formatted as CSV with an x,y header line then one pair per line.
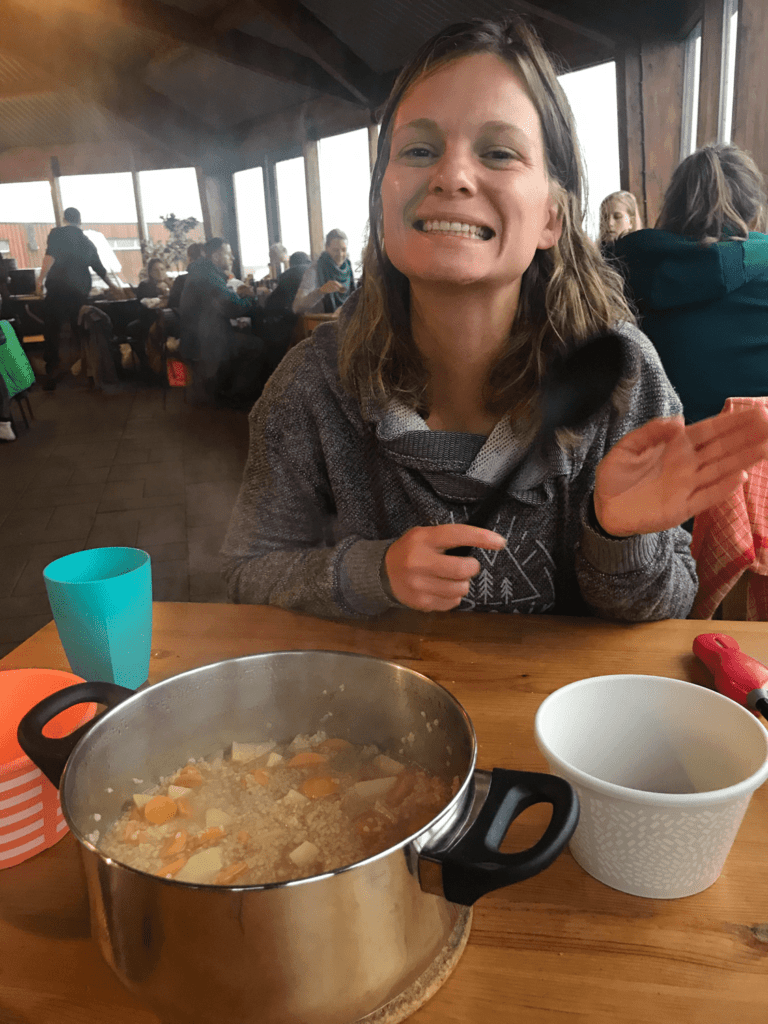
x,y
628,202
153,263
715,193
567,293
335,233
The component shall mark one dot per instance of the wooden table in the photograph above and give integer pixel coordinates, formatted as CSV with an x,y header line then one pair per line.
x,y
557,949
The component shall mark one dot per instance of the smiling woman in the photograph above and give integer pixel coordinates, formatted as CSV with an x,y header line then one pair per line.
x,y
376,438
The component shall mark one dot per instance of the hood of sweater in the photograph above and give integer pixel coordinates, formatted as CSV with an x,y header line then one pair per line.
x,y
668,271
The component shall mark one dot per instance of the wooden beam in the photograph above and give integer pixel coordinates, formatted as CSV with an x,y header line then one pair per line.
x,y
662,82
53,179
314,205
141,220
750,99
333,56
271,201
709,80
537,11
373,144
629,101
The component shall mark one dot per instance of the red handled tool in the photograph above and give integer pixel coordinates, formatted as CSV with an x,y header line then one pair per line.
x,y
737,676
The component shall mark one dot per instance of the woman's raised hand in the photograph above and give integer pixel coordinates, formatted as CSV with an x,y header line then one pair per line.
x,y
420,573
663,473
332,286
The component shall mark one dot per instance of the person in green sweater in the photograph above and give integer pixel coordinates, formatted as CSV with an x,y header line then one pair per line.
x,y
376,438
700,280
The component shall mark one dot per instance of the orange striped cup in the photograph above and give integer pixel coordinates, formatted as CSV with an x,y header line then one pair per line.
x,y
30,813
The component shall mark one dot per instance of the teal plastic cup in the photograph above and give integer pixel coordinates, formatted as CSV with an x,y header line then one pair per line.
x,y
101,601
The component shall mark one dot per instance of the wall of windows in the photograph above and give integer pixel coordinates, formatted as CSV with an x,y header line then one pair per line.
x,y
344,183
292,200
250,209
691,77
728,69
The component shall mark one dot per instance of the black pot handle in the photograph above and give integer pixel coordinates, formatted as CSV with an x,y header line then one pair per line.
x,y
49,754
473,866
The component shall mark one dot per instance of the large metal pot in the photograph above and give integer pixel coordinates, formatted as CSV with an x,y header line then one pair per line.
x,y
323,950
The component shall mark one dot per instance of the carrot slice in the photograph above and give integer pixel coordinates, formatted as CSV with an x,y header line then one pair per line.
x,y
318,787
261,777
174,844
305,758
208,837
227,875
169,870
188,776
160,809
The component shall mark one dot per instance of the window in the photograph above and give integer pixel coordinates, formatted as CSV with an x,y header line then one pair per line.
x,y
27,202
592,96
727,69
345,178
691,74
100,198
173,190
251,213
5,245
292,200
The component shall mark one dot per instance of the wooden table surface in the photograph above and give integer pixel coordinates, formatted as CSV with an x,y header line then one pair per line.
x,y
560,948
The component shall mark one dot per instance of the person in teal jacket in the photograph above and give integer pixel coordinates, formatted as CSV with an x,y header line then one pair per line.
x,y
699,280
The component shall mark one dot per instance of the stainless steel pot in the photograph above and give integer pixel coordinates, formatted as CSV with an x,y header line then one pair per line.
x,y
324,950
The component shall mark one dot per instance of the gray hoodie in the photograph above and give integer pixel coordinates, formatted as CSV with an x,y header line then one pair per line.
x,y
325,493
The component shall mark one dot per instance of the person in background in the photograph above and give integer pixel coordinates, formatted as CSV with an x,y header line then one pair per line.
x,y
66,274
229,366
155,285
194,252
278,260
288,284
107,257
327,284
619,214
699,280
377,437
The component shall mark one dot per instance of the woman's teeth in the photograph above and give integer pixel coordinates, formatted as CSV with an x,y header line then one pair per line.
x,y
455,227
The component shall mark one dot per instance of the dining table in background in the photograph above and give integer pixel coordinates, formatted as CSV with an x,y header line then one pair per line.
x,y
559,948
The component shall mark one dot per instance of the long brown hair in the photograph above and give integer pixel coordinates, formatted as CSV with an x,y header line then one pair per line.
x,y
717,192
567,293
628,202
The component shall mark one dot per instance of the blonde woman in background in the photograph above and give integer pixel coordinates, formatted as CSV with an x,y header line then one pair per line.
x,y
619,214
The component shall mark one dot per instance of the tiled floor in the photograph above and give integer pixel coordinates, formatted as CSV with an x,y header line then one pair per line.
x,y
98,470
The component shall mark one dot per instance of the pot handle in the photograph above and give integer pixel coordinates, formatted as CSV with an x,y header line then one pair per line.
x,y
50,754
472,866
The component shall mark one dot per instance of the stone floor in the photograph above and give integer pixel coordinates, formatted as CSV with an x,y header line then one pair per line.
x,y
98,470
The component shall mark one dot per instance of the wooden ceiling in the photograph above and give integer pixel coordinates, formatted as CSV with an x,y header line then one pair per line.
x,y
217,82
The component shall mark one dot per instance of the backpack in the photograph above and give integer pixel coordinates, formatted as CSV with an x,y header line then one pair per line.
x,y
14,365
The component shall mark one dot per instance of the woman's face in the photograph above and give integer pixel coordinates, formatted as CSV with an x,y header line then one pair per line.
x,y
337,250
618,221
157,272
466,198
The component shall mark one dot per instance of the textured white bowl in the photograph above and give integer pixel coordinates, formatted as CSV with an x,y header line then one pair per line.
x,y
664,771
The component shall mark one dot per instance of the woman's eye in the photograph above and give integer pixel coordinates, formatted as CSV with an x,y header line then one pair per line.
x,y
417,152
500,155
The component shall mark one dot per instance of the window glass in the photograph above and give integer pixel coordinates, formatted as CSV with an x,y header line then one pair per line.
x,y
691,75
171,191
26,217
345,179
728,69
592,96
251,211
292,200
107,209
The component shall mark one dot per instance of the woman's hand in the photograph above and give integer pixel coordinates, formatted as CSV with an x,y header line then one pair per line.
x,y
663,473
331,286
423,577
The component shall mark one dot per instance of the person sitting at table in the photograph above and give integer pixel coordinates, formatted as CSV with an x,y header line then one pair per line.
x,y
326,284
66,274
619,214
194,253
288,283
376,437
230,366
700,280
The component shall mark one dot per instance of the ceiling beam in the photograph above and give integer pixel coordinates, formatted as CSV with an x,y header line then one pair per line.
x,y
337,59
537,11
72,63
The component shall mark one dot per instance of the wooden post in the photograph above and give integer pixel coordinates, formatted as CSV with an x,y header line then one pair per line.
x,y
271,201
202,188
314,205
750,102
709,81
141,221
217,200
58,208
629,101
373,144
662,83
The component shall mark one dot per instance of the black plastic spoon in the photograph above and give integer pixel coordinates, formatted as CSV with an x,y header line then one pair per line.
x,y
574,388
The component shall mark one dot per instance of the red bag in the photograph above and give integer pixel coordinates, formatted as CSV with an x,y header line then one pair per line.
x,y
178,373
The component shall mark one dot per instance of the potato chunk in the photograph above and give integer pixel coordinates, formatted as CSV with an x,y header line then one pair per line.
x,y
202,866
304,855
